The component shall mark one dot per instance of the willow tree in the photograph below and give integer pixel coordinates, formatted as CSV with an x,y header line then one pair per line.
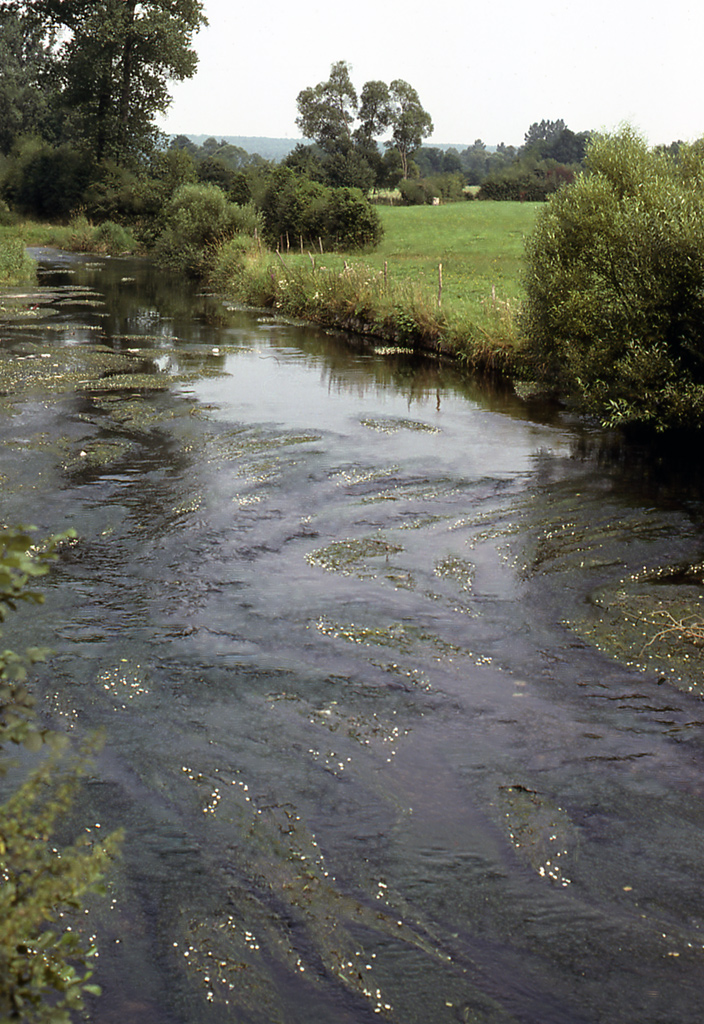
x,y
614,311
115,59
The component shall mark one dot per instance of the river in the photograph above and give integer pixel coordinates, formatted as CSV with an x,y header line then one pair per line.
x,y
403,714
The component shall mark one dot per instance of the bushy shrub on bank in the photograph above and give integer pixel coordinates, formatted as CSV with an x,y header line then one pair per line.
x,y
615,285
298,211
108,238
195,220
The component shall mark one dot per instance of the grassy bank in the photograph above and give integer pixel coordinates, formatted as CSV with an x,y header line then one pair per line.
x,y
79,235
16,267
394,293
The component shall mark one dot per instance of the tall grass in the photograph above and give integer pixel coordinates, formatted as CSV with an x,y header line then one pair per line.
x,y
16,266
79,235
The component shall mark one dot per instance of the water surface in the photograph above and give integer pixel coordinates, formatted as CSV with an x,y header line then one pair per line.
x,y
403,717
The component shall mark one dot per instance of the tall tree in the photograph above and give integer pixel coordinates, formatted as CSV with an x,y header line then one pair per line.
x,y
545,131
115,60
553,140
26,80
328,111
410,123
375,111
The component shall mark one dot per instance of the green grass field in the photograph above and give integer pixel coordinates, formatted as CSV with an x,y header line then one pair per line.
x,y
479,244
481,248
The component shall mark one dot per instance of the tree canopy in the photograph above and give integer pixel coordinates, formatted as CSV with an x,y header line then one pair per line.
x,y
329,111
410,123
26,80
110,62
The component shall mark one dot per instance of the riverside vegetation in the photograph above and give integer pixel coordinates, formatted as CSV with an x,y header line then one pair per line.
x,y
444,279
596,295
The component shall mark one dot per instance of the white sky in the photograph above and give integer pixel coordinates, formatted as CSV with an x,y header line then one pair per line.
x,y
486,70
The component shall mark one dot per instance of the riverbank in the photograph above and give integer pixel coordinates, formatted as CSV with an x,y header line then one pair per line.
x,y
79,235
444,279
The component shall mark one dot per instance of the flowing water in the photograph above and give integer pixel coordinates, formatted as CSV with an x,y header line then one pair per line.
x,y
401,678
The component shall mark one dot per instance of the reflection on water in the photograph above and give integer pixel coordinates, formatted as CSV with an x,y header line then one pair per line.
x,y
398,726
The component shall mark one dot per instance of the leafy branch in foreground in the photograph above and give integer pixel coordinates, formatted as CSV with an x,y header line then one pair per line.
x,y
44,963
21,560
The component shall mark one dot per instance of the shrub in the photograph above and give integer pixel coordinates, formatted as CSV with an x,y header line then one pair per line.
x,y
419,191
113,194
296,209
449,187
168,171
228,263
216,172
44,960
528,181
46,181
108,237
114,239
615,285
292,206
240,190
195,220
6,215
416,191
352,221
16,265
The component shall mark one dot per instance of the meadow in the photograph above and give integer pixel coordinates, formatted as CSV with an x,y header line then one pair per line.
x,y
480,246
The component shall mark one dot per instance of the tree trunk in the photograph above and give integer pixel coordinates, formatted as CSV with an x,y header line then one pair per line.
x,y
127,71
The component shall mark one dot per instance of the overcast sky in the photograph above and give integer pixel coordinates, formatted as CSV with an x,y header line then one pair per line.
x,y
482,70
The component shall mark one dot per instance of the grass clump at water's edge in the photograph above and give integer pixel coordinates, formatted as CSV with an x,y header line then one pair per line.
x,y
79,235
16,266
394,293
